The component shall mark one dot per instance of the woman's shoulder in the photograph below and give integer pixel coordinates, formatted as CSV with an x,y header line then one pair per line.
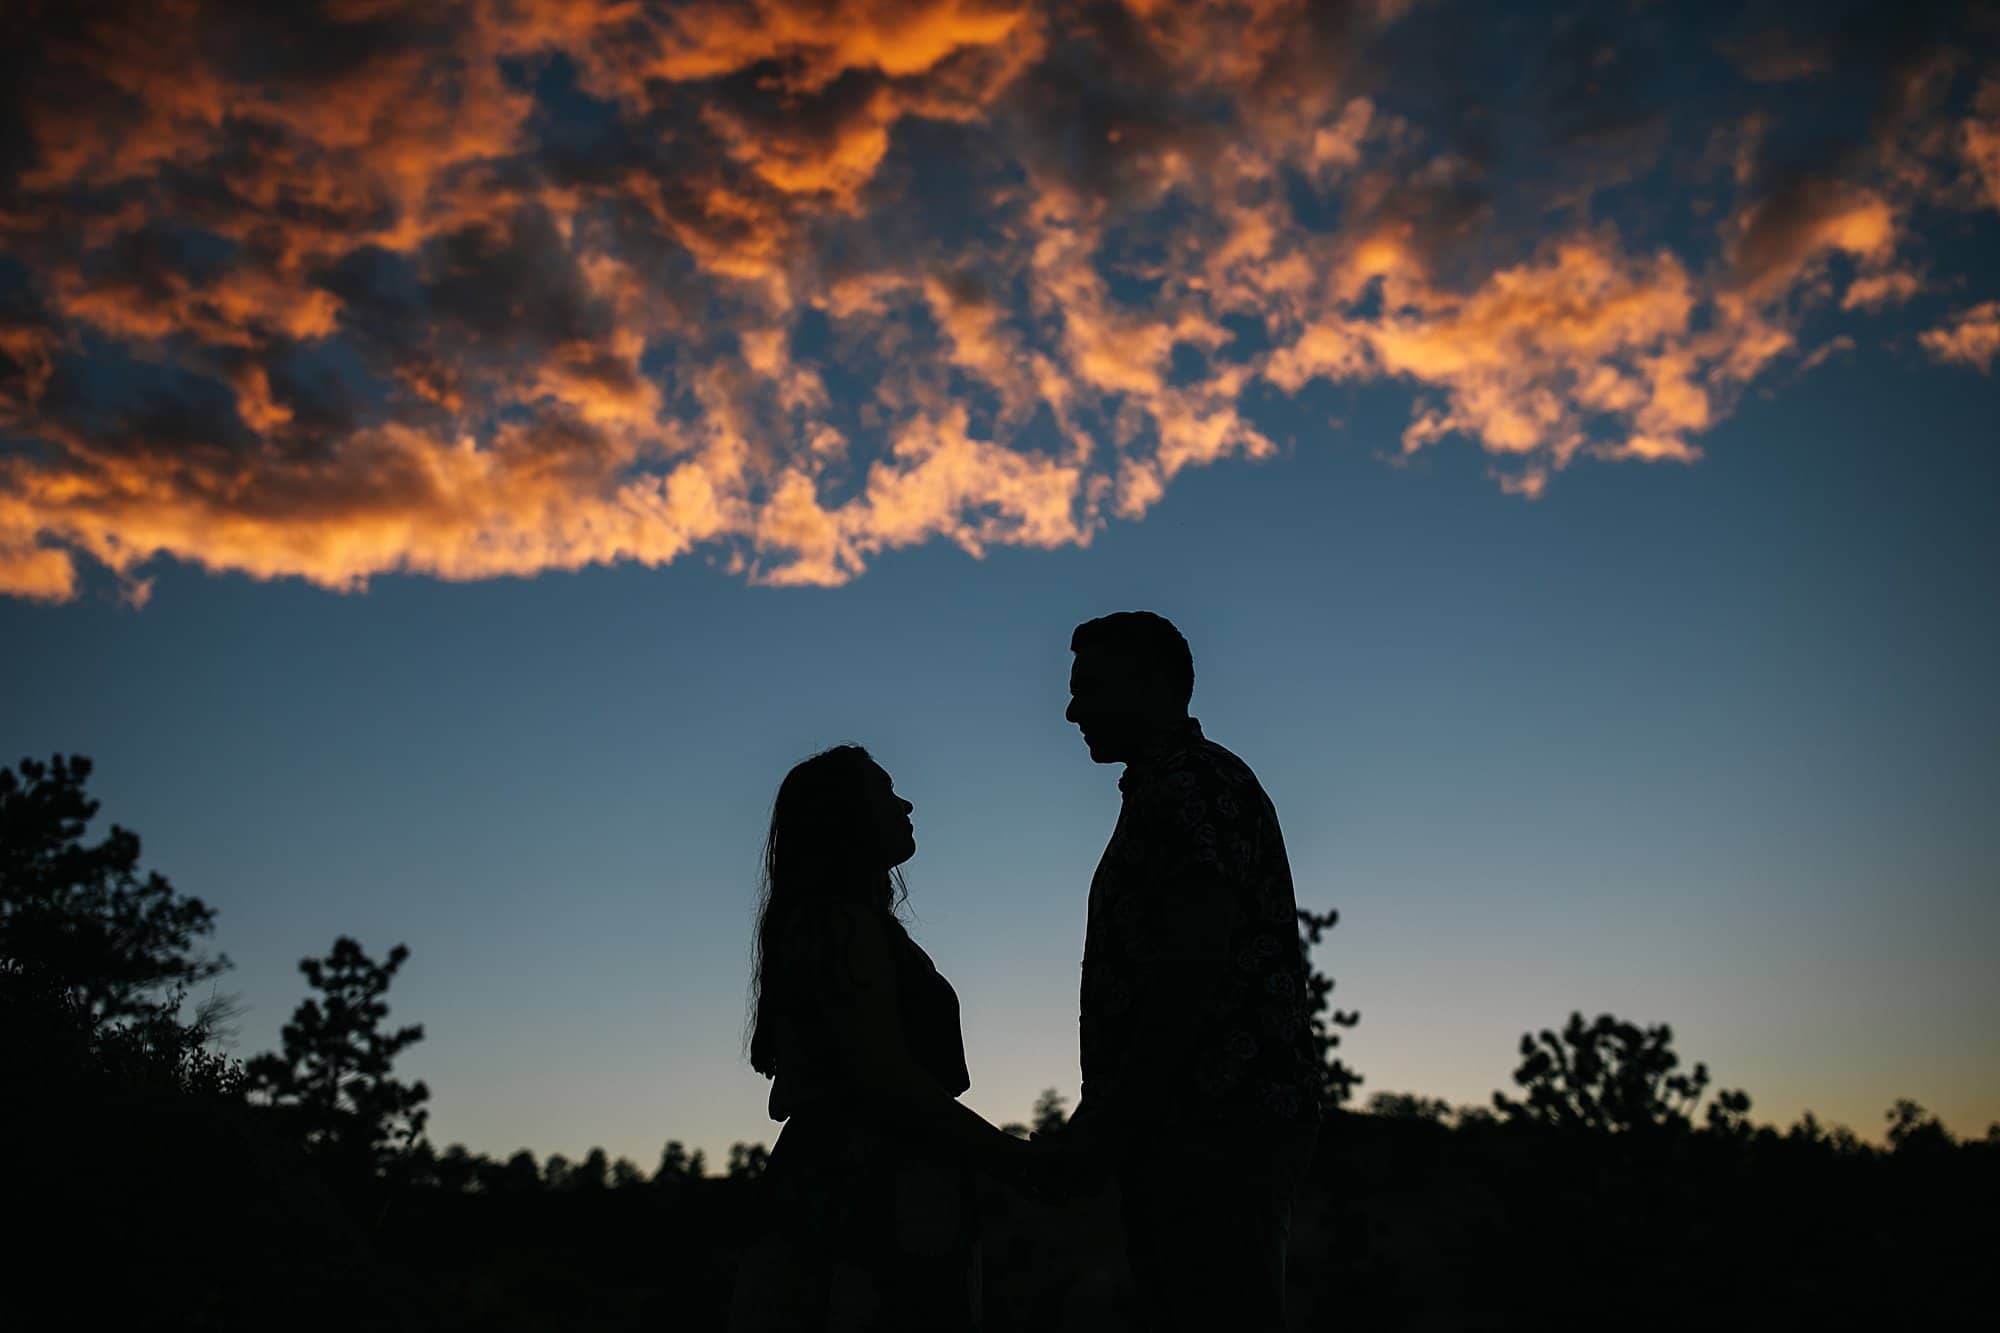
x,y
848,943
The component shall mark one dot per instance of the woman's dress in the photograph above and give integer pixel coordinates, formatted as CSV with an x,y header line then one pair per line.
x,y
871,1227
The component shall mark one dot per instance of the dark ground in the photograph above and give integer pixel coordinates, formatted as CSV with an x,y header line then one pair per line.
x,y
166,1214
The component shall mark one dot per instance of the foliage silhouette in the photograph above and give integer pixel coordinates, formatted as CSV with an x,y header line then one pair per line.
x,y
677,1165
1611,1075
48,1033
81,913
334,1082
96,961
593,1172
1915,1131
1341,1081
1410,1106
1050,1113
747,1160
518,1175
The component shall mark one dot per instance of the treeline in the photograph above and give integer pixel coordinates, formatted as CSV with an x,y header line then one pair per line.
x,y
462,1171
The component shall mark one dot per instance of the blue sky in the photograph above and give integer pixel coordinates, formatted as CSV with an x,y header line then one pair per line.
x,y
1711,746
452,462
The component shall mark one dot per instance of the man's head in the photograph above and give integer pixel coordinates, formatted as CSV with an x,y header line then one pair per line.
x,y
1132,679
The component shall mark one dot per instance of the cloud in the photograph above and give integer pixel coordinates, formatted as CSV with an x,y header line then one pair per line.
x,y
1773,55
1979,139
1970,338
485,288
1871,291
1804,219
1584,350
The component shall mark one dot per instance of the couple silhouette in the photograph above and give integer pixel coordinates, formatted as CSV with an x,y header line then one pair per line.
x,y
1200,1095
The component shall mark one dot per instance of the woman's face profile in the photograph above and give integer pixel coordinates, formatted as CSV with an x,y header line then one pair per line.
x,y
889,817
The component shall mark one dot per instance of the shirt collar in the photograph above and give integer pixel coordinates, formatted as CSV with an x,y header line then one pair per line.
x,y
1170,743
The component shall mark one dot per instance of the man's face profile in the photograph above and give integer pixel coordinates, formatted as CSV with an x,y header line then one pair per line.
x,y
1112,703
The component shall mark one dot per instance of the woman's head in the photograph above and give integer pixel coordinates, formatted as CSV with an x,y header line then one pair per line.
x,y
838,832
837,827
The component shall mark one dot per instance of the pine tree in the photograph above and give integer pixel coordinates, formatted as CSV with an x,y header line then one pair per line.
x,y
79,916
1340,1081
333,1079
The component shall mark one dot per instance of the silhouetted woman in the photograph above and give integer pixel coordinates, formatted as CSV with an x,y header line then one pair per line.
x,y
871,1183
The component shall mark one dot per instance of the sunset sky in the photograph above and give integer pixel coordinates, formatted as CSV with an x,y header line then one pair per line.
x,y
454,457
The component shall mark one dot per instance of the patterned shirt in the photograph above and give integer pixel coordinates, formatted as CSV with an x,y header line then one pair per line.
x,y
1194,1003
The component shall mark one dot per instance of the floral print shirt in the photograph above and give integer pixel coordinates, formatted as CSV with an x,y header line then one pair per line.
x,y
1194,1001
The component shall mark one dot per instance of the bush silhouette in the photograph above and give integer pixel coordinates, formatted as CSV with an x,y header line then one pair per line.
x,y
1614,1076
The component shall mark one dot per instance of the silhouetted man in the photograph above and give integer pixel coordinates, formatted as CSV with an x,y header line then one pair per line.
x,y
1200,1083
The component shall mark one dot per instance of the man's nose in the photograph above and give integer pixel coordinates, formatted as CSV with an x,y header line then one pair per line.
x,y
1069,713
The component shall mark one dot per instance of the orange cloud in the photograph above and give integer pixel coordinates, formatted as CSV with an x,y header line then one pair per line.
x,y
392,500
981,344
1871,291
1979,139
1526,360
1970,338
1803,220
489,288
819,41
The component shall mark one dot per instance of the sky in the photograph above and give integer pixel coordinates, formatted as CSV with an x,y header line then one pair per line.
x,y
454,458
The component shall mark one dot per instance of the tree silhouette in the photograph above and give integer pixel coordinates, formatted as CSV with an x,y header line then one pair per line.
x,y
458,1169
1410,1106
747,1160
519,1175
593,1172
419,1165
625,1174
1914,1130
1729,1114
80,914
1050,1113
558,1173
1340,1081
676,1165
1840,1140
1611,1075
333,1079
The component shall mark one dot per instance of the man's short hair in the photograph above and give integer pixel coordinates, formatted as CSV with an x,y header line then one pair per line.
x,y
1149,641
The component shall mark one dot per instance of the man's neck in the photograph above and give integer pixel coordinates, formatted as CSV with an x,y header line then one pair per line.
x,y
1164,740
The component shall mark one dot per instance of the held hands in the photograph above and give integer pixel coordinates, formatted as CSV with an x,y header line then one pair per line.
x,y
1051,1170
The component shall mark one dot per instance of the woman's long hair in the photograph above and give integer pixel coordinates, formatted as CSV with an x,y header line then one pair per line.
x,y
821,849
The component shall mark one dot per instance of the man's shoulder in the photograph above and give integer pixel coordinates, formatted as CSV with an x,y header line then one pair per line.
x,y
1209,775
1212,764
